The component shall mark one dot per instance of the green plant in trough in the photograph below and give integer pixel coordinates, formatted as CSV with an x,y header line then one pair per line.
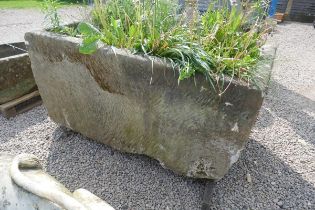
x,y
233,48
151,28
219,43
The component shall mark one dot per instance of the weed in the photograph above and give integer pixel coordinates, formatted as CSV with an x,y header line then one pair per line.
x,y
50,8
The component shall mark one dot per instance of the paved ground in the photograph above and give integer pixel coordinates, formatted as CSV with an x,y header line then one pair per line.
x,y
15,22
276,169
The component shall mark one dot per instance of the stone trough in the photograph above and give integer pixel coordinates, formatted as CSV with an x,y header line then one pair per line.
x,y
16,77
136,105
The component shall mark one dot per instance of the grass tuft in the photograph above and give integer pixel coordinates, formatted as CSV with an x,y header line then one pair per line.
x,y
221,42
36,4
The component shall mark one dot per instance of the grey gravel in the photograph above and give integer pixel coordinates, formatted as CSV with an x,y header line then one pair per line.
x,y
279,158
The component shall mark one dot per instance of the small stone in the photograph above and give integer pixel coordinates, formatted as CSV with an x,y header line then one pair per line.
x,y
249,178
125,207
280,203
273,183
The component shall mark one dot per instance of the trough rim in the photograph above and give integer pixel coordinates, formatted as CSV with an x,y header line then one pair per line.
x,y
263,66
15,55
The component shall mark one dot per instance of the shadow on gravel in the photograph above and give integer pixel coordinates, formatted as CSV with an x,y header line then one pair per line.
x,y
287,23
137,182
292,107
260,180
126,181
272,184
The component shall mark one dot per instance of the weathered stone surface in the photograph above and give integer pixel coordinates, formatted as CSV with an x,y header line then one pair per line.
x,y
118,99
16,77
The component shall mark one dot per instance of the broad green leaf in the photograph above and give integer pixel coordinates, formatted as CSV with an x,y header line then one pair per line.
x,y
89,45
88,48
87,29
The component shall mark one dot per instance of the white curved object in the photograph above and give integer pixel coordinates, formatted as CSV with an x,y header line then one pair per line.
x,y
26,172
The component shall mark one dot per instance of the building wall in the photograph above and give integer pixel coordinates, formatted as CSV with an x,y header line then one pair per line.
x,y
203,5
302,10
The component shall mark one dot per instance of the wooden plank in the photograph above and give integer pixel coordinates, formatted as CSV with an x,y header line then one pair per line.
x,y
21,105
19,100
289,7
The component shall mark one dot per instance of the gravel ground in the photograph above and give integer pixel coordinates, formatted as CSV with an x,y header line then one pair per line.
x,y
276,169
